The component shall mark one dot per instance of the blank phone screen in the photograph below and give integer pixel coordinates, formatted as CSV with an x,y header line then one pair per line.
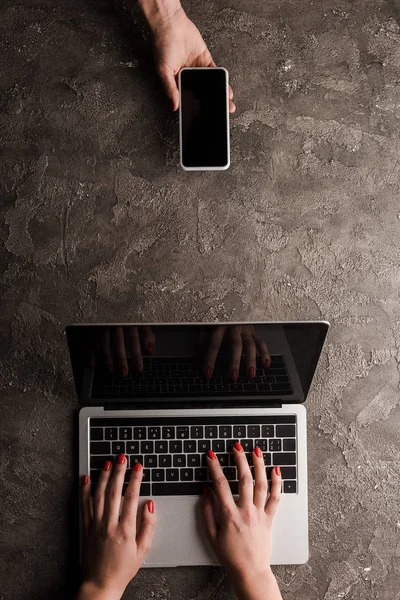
x,y
204,118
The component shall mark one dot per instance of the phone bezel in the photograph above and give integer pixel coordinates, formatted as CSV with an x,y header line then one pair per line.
x,y
211,168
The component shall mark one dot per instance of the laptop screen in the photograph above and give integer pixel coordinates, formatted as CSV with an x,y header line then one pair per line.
x,y
194,364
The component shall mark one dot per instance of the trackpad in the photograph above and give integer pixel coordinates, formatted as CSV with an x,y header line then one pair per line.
x,y
180,537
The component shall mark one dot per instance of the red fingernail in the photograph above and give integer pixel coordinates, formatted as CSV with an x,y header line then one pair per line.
x,y
107,466
85,480
121,459
124,372
137,467
257,452
150,348
238,446
111,370
251,372
267,362
139,368
278,470
207,373
234,374
211,454
150,506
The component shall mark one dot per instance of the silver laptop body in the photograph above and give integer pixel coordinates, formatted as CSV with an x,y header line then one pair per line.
x,y
265,409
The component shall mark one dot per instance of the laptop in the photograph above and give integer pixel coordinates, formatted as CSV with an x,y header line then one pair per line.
x,y
164,394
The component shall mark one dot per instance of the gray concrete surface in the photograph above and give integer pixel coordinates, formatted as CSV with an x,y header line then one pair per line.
x,y
98,222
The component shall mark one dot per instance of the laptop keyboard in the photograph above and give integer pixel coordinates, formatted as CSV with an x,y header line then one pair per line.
x,y
173,451
178,376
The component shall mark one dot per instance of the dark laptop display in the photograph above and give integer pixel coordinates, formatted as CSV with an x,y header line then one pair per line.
x,y
242,364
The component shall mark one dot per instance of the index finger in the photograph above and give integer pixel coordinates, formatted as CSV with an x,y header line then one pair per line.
x,y
221,485
131,497
213,348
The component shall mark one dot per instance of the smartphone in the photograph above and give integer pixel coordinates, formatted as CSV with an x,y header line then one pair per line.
x,y
204,118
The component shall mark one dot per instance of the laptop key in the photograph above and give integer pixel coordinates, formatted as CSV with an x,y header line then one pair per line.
x,y
186,475
267,459
197,432
193,460
158,475
239,431
288,472
96,434
147,447
223,459
150,461
201,474
97,462
136,459
289,445
146,475
100,448
253,431
247,445
182,433
225,431
161,447
230,473
94,475
132,447
168,433
284,458
171,475
203,445
229,445
262,444
289,487
211,431
154,433
218,445
189,446
275,445
285,431
118,447
111,433
268,431
179,460
175,447
125,433
165,460
177,489
139,433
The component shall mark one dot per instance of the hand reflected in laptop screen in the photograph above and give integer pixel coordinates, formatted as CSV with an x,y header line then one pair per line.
x,y
236,340
121,348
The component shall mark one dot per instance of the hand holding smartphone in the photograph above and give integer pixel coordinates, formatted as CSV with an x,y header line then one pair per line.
x,y
204,119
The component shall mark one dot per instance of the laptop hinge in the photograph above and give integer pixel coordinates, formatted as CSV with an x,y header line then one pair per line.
x,y
155,405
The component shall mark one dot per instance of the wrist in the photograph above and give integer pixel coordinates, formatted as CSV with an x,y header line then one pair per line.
x,y
158,12
256,585
90,590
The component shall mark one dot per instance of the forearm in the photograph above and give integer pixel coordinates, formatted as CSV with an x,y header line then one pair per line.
x,y
157,12
263,587
89,591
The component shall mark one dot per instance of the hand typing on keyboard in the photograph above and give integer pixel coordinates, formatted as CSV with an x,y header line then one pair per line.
x,y
112,549
240,533
240,338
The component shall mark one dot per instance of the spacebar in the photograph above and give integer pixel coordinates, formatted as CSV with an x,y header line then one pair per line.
x,y
177,489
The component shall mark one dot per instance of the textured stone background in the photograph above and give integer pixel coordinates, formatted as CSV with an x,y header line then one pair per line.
x,y
98,222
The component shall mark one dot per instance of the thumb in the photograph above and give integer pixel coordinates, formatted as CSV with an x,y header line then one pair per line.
x,y
170,86
146,532
208,514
